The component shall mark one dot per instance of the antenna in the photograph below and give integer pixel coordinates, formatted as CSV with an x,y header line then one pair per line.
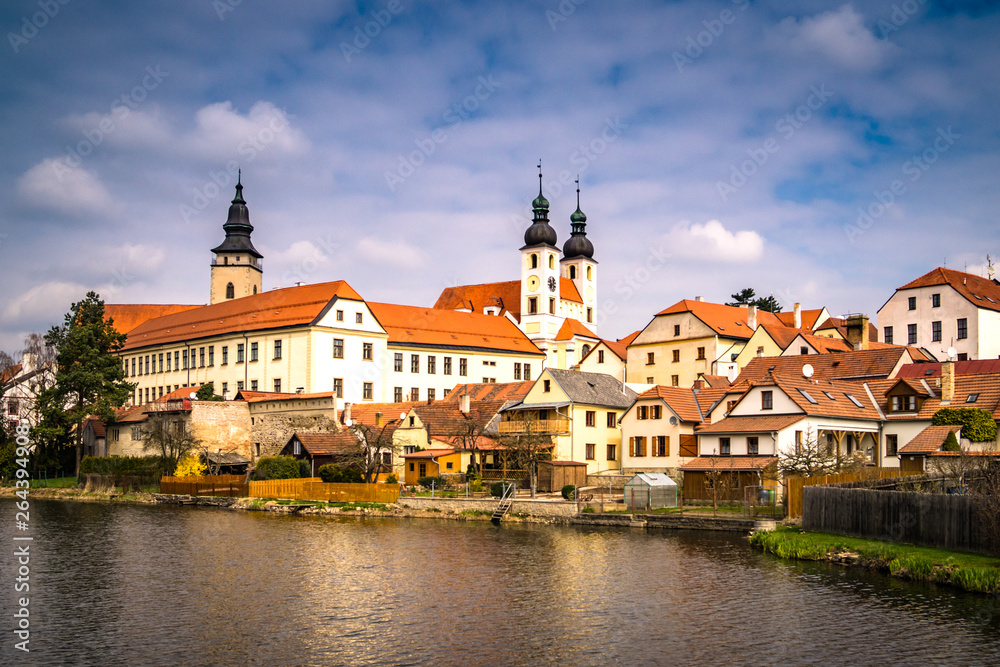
x,y
989,267
807,370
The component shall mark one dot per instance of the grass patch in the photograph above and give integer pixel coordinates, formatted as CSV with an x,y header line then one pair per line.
x,y
587,510
476,513
360,505
256,503
54,483
433,509
972,572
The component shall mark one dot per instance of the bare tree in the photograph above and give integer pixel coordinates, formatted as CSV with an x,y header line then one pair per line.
x,y
170,438
809,458
719,479
524,450
368,455
469,432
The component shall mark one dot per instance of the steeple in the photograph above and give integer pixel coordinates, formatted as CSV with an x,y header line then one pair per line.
x,y
237,226
540,233
578,244
236,267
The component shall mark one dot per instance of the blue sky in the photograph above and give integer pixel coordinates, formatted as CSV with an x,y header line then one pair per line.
x,y
823,152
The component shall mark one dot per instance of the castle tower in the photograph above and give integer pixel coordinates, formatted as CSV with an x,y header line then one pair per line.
x,y
578,263
540,317
236,267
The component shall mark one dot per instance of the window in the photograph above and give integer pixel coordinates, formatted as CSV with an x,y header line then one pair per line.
x,y
366,391
239,386
387,458
366,351
892,443
600,356
650,358
253,385
340,316
798,442
808,396
677,330
397,394
447,366
527,371
411,467
431,394
277,349
201,357
724,448
911,303
338,387
675,381
766,400
239,353
225,388
590,314
414,393
552,306
517,370
591,451
904,404
936,332
253,351
463,367
612,453
230,290
963,328
133,366
397,362
449,465
211,357
552,261
591,418
637,446
856,402
655,411
532,305
546,385
184,358
423,470
414,363
277,385
963,356
612,420
338,349
972,398
642,412
444,393
935,300
911,334
701,354
887,335
161,362
137,433
534,261
753,446
572,273
676,356
661,446
431,364
359,318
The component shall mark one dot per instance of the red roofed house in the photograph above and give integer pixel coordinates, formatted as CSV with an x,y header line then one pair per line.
x,y
945,309
658,431
608,357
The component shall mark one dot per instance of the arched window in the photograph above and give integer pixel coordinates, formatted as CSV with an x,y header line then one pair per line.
x,y
254,289
590,273
552,261
586,351
572,273
230,291
534,261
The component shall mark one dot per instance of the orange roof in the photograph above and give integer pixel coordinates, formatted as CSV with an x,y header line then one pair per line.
x,y
135,413
127,317
572,328
982,292
831,398
751,424
681,400
444,418
728,321
715,381
428,453
729,463
708,397
933,369
327,443
782,335
261,396
9,373
930,439
808,317
288,307
507,295
985,388
183,392
490,391
568,290
855,365
415,325
837,323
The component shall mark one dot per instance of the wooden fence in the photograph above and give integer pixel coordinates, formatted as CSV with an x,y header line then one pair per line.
x,y
794,485
230,486
934,520
287,489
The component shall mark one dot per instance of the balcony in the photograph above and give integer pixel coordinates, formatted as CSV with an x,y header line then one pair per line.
x,y
536,426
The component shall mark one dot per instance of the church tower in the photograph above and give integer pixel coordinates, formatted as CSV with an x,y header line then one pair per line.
x,y
540,317
578,263
236,268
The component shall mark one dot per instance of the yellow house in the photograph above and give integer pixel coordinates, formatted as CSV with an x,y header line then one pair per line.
x,y
578,411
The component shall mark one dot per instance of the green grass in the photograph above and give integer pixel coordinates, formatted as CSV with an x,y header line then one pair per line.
x,y
972,572
54,483
476,513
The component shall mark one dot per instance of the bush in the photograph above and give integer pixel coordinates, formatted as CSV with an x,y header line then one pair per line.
x,y
951,443
137,466
304,470
496,489
277,467
207,393
569,492
391,478
190,466
439,482
331,473
977,425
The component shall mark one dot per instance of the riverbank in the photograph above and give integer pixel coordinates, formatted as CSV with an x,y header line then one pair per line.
x,y
82,495
971,572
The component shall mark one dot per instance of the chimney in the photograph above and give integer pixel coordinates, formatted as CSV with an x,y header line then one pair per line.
x,y
347,412
464,403
378,418
947,381
857,331
752,317
699,298
698,384
798,316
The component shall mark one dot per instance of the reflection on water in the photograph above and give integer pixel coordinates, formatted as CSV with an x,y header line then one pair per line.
x,y
187,586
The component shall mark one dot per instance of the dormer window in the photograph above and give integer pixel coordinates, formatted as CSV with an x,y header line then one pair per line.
x,y
904,403
972,398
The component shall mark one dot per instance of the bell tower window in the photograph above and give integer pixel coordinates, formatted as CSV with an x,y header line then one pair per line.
x,y
572,273
230,291
534,261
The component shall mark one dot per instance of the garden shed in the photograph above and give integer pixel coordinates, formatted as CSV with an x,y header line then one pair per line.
x,y
650,491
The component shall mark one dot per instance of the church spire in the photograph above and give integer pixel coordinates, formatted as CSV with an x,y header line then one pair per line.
x,y
540,233
578,244
237,226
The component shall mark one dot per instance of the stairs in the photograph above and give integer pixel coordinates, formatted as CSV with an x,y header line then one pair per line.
x,y
506,502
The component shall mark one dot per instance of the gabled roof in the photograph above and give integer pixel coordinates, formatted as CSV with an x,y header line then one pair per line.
x,y
127,317
930,439
985,388
507,295
445,418
135,413
839,324
729,463
728,321
9,372
981,292
933,369
715,381
415,325
177,394
751,424
782,335
593,388
709,397
568,290
808,317
489,391
830,398
681,400
428,453
262,396
571,328
97,425
288,307
327,443
854,365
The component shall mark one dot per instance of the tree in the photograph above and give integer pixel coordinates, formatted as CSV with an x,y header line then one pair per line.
x,y
367,455
169,437
977,425
207,393
748,297
190,466
89,378
809,458
524,450
719,479
951,443
468,433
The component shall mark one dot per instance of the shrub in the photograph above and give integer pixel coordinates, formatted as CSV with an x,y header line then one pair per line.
x,y
304,470
977,425
332,473
391,478
190,466
496,489
277,467
439,482
207,393
569,492
475,485
587,510
951,443
148,466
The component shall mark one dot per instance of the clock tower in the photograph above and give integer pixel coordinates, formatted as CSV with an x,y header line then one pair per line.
x,y
540,301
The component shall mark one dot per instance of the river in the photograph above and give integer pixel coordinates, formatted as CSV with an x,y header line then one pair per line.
x,y
154,585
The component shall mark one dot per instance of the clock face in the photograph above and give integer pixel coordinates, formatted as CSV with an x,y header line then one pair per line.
x,y
552,284
533,284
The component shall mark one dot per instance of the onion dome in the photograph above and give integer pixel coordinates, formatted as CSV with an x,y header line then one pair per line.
x,y
238,227
578,244
540,233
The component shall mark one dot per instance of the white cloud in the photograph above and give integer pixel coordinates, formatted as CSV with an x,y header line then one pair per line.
x,y
220,130
45,303
396,254
712,241
840,35
54,186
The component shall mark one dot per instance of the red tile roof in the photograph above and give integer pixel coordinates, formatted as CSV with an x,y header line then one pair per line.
x,y
710,396
327,443
261,396
291,306
477,297
572,328
9,373
428,453
729,463
715,381
840,405
444,418
982,292
986,387
856,364
728,321
127,317
751,424
972,367
490,391
929,440
808,317
176,394
415,325
681,400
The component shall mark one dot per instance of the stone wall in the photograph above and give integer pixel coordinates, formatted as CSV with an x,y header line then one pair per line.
x,y
273,431
545,508
223,425
601,481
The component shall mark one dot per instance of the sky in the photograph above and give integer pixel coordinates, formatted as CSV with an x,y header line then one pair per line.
x,y
822,152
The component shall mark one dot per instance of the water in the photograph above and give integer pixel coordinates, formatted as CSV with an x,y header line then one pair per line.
x,y
139,585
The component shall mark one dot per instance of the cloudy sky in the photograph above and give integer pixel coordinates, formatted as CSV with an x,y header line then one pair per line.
x,y
821,152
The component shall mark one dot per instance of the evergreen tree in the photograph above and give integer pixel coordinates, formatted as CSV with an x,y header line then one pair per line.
x,y
748,297
90,379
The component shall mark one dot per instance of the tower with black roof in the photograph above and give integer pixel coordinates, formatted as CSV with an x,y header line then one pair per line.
x,y
237,270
